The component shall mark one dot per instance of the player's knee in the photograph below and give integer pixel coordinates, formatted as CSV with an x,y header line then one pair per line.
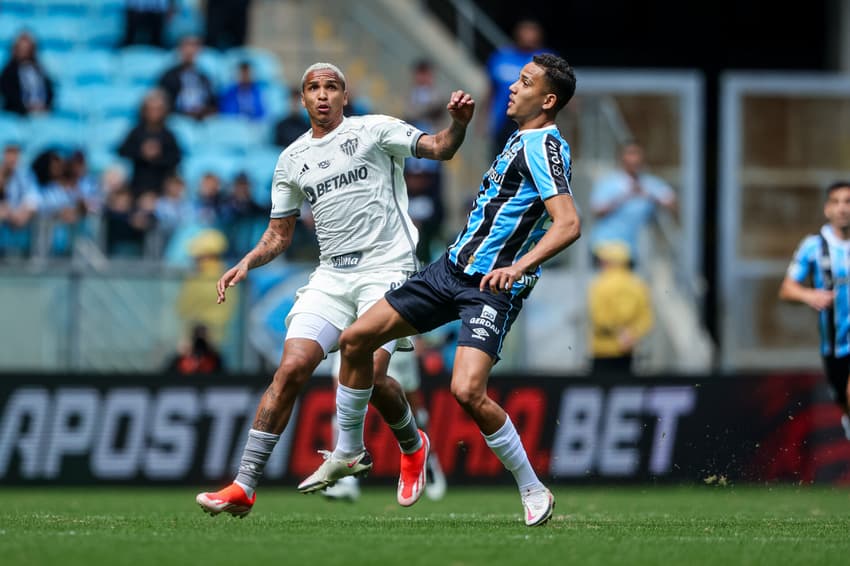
x,y
468,396
292,372
354,345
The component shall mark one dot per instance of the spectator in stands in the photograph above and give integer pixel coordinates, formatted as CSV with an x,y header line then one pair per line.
x,y
294,125
620,310
173,209
145,21
425,103
85,185
127,224
244,97
227,23
210,204
305,244
503,67
624,202
199,357
243,217
151,146
424,177
60,205
24,84
357,105
18,203
207,249
189,90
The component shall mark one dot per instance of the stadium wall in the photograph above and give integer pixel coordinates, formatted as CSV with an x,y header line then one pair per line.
x,y
80,429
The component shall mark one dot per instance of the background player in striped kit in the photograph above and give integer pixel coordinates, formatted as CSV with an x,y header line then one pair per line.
x,y
823,260
524,214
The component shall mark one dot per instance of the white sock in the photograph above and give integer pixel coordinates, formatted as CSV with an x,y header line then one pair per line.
x,y
507,446
351,407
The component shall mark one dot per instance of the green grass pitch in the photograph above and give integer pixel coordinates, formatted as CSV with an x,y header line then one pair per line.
x,y
648,525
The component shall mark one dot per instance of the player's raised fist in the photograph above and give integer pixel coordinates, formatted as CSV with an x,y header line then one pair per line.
x,y
461,106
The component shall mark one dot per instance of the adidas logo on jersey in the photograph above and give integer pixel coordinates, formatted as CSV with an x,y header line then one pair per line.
x,y
304,169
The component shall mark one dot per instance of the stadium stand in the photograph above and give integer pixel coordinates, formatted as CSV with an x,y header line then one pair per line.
x,y
99,87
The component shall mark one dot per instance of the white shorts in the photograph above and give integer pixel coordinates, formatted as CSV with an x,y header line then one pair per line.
x,y
341,297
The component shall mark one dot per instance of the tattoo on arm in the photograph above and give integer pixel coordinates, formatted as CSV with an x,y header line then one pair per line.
x,y
442,145
275,240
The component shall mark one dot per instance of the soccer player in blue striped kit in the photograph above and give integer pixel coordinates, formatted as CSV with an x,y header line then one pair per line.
x,y
524,214
824,259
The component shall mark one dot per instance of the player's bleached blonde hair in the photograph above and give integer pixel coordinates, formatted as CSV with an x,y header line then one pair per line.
x,y
323,66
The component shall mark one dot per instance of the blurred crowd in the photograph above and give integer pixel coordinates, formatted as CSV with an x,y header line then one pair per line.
x,y
198,151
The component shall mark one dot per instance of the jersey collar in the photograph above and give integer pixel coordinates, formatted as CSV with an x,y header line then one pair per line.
x,y
829,234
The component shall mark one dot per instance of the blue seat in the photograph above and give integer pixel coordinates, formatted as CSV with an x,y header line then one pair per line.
x,y
108,133
259,165
186,20
223,164
10,26
276,101
71,101
214,65
68,8
18,8
142,64
233,132
265,65
82,67
100,159
45,131
105,29
12,128
188,131
115,100
58,33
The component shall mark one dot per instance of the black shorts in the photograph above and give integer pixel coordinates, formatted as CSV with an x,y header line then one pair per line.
x,y
442,292
837,372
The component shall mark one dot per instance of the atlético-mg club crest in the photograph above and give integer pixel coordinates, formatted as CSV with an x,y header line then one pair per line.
x,y
349,146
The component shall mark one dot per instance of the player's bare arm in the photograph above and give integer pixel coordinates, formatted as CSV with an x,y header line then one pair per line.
x,y
445,143
818,299
274,242
565,229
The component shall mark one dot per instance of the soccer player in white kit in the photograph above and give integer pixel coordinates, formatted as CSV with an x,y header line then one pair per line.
x,y
350,170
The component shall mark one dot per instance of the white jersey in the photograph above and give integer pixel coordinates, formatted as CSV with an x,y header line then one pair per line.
x,y
353,179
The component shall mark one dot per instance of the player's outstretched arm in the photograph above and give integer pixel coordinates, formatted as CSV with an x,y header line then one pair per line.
x,y
445,143
565,229
274,242
818,299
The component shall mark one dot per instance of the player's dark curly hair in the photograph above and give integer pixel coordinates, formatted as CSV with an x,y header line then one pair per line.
x,y
837,185
560,75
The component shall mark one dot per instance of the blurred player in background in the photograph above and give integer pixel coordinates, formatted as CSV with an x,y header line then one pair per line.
x,y
823,260
350,170
404,368
524,215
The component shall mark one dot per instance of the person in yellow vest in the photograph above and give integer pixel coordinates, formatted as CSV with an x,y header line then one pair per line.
x,y
620,310
193,303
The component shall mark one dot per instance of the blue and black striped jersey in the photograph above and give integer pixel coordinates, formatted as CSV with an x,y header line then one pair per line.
x,y
825,259
509,216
